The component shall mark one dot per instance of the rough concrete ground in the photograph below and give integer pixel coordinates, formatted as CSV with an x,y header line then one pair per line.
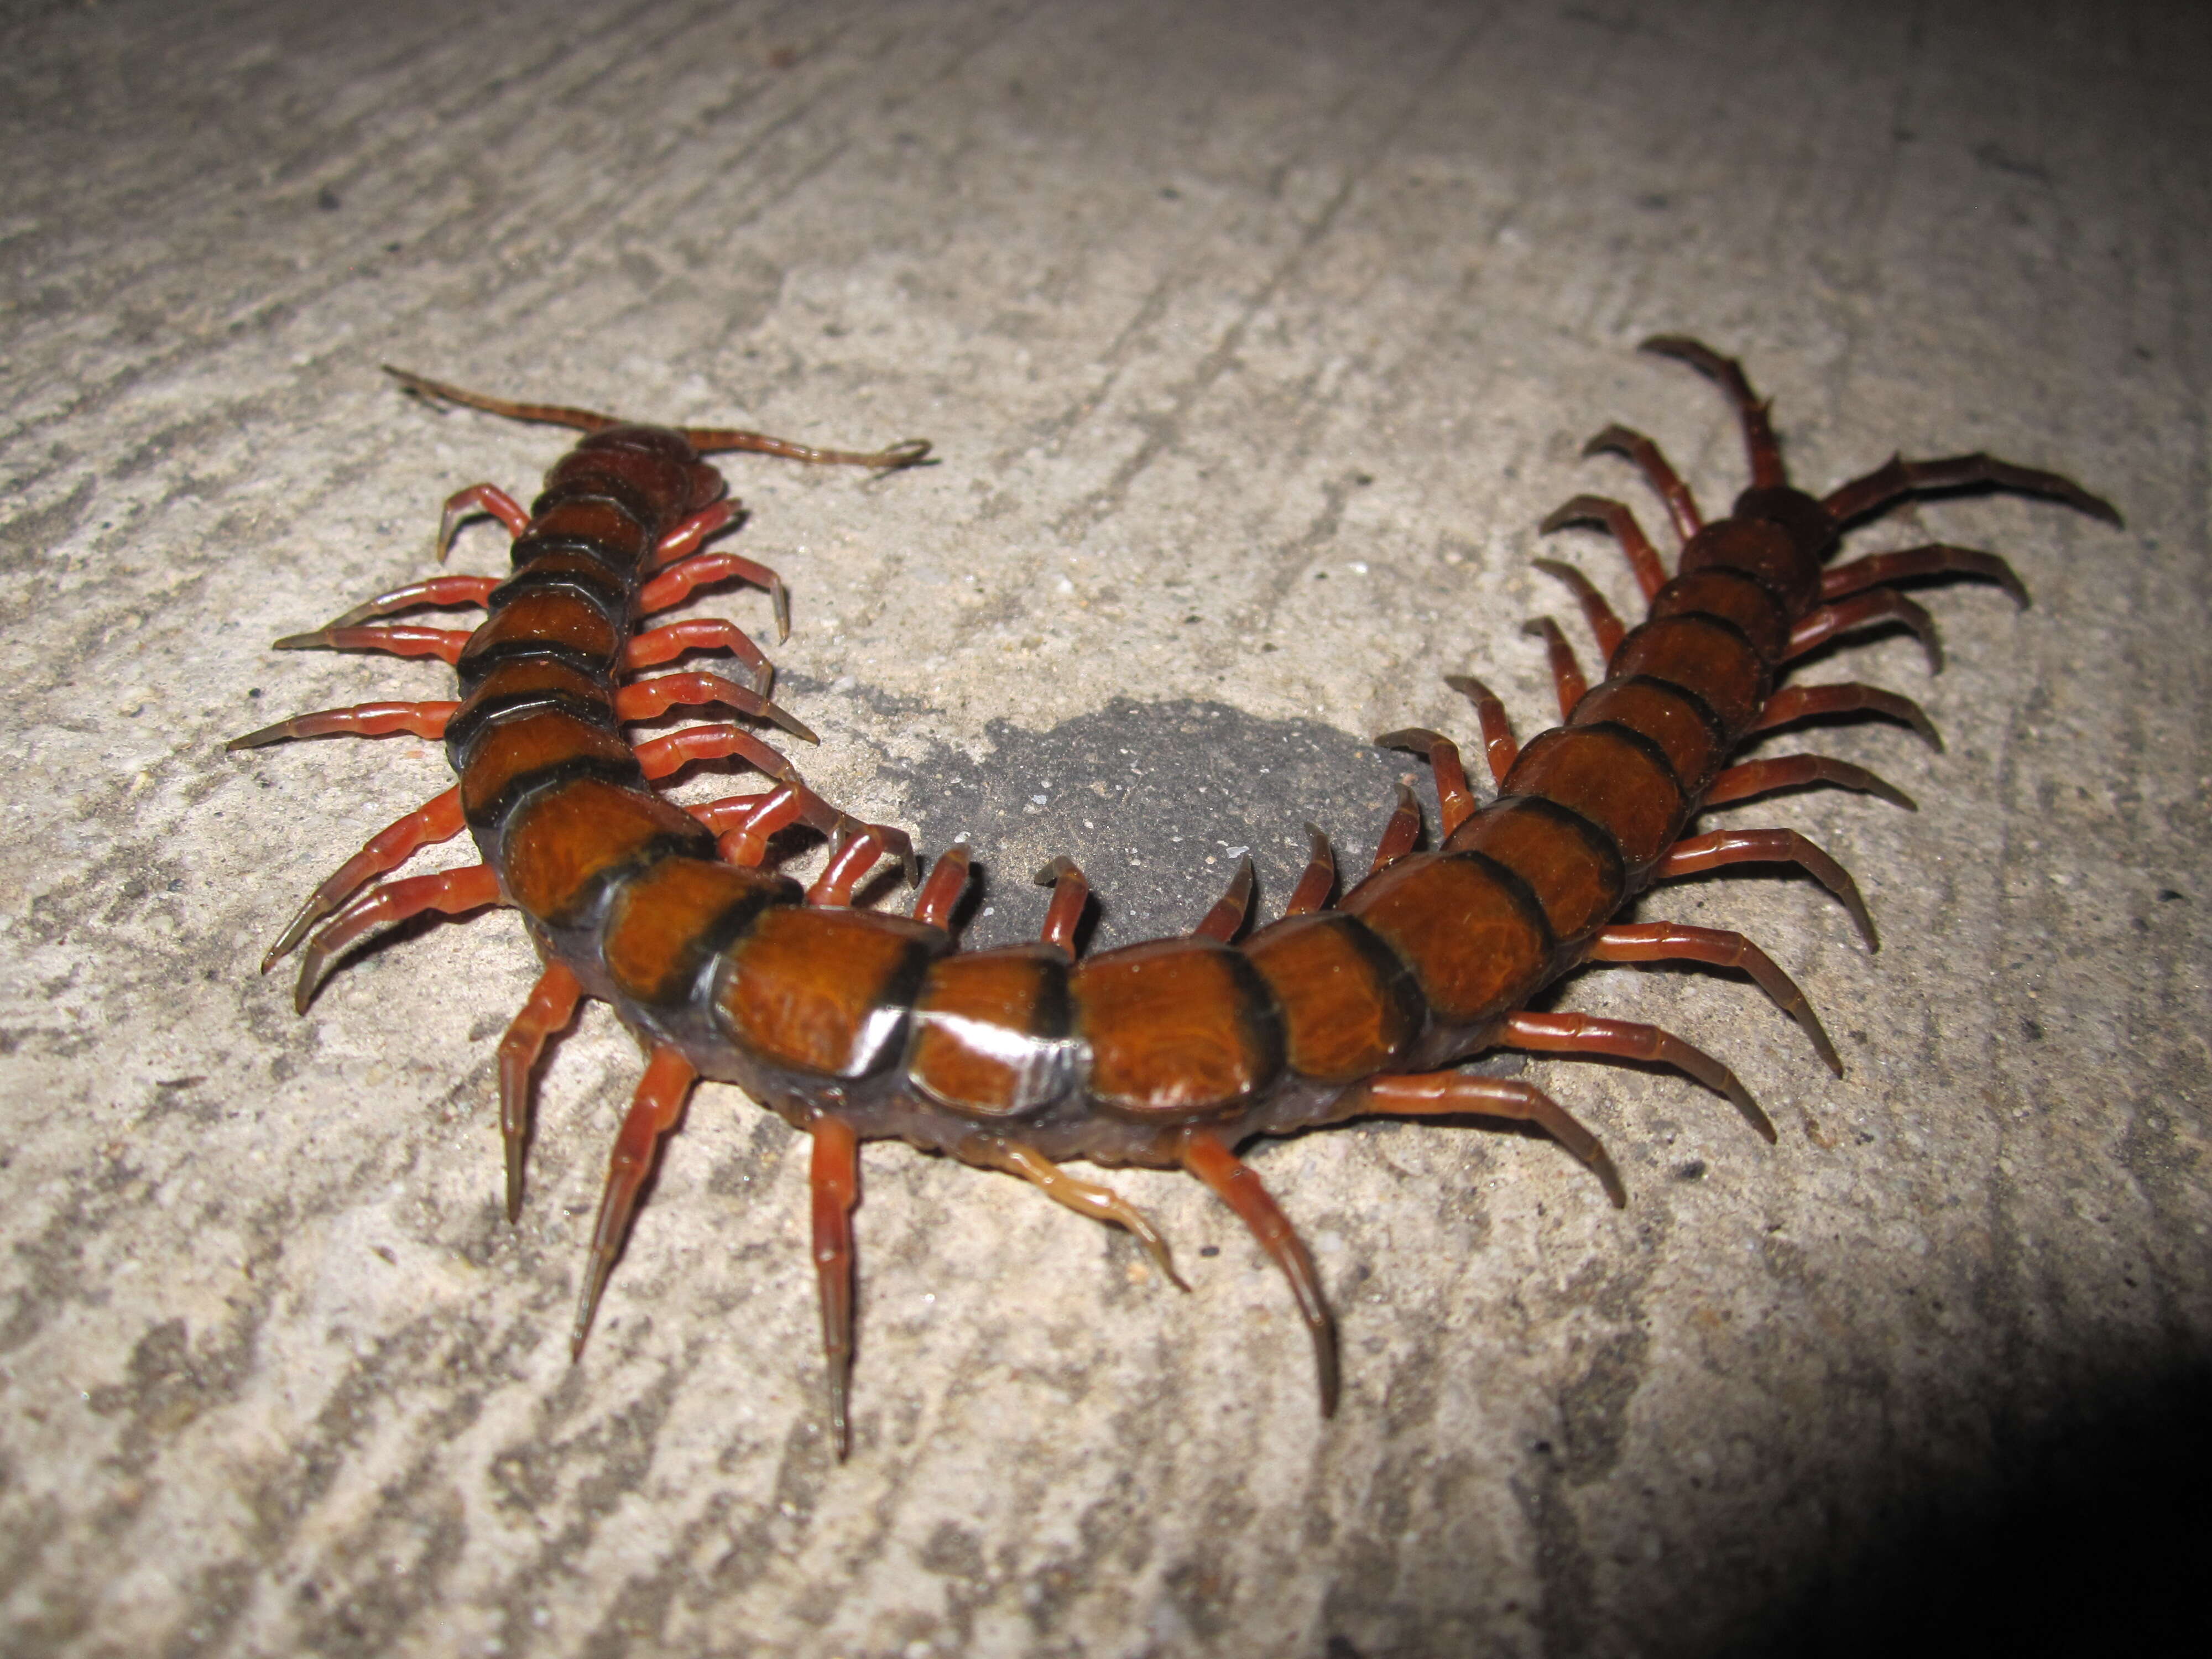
x,y
1256,340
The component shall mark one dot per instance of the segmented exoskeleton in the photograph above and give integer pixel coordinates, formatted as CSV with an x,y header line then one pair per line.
x,y
855,1025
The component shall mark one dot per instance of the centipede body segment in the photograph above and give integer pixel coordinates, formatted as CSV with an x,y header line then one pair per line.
x,y
857,1024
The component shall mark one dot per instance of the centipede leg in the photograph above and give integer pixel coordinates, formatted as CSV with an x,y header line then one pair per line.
x,y
1063,912
1908,564
438,819
551,1005
1764,777
1725,847
1566,673
833,888
1615,516
677,584
1499,746
361,719
1603,622
665,644
1401,835
405,641
1658,473
662,755
835,1179
1206,1156
1670,941
464,504
1765,455
1085,1198
1898,478
645,700
941,894
443,592
1804,702
1863,610
1451,1094
1319,881
692,533
1623,1039
1226,918
1454,798
452,891
653,1111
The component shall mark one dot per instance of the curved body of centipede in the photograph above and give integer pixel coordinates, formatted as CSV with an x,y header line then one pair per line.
x,y
855,1025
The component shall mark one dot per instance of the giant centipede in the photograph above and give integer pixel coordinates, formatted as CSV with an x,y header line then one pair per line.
x,y
855,1025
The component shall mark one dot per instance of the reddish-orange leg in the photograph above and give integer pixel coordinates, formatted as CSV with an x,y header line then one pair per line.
x,y
665,644
436,820
1642,558
664,755
835,1180
551,1005
1401,835
1063,912
1319,881
645,700
940,895
1861,610
1085,1198
1764,777
464,504
676,583
1454,797
442,593
1566,673
1454,1094
1674,941
1725,847
1206,1154
1766,456
1623,1039
1805,703
1910,563
1658,473
687,535
833,888
362,719
1898,478
452,891
1608,628
404,640
1227,916
653,1111
1500,747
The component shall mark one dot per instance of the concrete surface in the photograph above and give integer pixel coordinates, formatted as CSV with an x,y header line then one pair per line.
x,y
1257,340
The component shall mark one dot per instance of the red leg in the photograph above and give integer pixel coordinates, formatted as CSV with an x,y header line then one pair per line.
x,y
1063,914
1596,612
662,755
658,644
833,888
1453,1094
677,584
1670,941
645,700
1681,506
1899,477
1937,559
1454,798
835,1180
1587,1033
1400,835
1206,1156
744,823
1500,747
552,1004
1085,1198
452,891
362,719
1766,471
1878,604
1805,703
714,441
1763,777
1319,881
940,895
1566,672
444,592
1690,858
437,391
687,535
1642,558
1229,911
479,498
406,641
653,1111
436,820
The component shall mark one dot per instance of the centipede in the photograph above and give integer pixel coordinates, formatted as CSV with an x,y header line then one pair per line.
x,y
855,1023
